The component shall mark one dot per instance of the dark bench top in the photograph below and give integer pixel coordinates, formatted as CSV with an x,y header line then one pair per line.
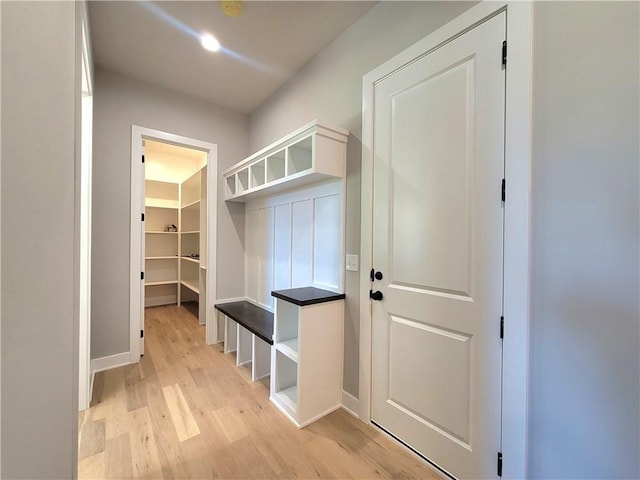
x,y
307,296
255,319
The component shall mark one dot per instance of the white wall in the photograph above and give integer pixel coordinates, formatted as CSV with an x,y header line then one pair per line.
x,y
584,367
40,97
120,102
329,88
584,374
294,240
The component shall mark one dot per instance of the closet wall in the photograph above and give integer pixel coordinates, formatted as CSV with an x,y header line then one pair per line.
x,y
295,240
119,103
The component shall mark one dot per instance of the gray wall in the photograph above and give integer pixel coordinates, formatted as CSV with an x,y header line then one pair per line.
x,y
329,88
584,368
120,102
39,344
584,364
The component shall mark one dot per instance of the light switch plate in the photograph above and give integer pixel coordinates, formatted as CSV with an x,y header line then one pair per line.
x,y
352,263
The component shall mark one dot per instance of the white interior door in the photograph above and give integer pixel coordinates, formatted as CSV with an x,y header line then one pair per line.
x,y
438,242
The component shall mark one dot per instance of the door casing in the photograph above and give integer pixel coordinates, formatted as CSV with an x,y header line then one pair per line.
x,y
138,134
517,216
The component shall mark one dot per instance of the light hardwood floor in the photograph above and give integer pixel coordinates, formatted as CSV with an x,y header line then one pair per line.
x,y
186,411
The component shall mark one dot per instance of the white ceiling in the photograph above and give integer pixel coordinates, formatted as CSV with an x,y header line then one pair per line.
x,y
170,163
262,48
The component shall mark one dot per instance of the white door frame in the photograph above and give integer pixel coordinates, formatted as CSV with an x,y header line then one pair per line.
x,y
83,187
138,134
517,216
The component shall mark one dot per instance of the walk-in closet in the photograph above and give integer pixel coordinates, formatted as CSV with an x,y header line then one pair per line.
x,y
175,216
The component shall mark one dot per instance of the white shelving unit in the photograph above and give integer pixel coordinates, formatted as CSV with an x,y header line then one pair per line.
x,y
161,247
310,154
190,203
306,358
175,271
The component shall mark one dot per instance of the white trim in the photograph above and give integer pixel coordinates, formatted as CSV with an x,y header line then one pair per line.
x,y
107,363
84,197
517,241
135,260
350,403
517,217
231,300
0,258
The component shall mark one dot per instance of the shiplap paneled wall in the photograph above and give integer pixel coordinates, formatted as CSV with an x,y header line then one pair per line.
x,y
295,240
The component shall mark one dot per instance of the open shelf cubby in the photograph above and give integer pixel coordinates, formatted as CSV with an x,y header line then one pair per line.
x,y
231,186
310,154
276,166
300,156
243,180
257,174
286,381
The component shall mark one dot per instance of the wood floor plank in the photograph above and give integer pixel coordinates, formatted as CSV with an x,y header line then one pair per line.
x,y
93,467
118,464
183,421
144,453
92,439
186,411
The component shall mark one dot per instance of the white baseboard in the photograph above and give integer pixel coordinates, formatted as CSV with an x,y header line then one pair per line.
x,y
229,300
350,403
107,363
93,377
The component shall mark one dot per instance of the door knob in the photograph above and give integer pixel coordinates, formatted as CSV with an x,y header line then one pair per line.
x,y
375,275
377,295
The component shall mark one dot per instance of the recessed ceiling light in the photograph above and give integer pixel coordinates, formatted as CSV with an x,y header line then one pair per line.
x,y
209,42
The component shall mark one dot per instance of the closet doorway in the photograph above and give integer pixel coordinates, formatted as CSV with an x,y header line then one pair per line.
x,y
173,241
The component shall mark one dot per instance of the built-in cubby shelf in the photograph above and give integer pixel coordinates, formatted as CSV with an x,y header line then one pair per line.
x,y
310,154
306,358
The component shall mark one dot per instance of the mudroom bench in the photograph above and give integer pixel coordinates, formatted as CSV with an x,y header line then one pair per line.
x,y
248,331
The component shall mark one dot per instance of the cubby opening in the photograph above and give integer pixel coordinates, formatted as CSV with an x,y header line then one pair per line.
x,y
276,166
287,325
231,185
286,379
257,174
300,156
243,180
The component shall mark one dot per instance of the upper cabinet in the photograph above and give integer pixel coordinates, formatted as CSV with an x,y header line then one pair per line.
x,y
311,154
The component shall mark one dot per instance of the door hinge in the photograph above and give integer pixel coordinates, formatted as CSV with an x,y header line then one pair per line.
x,y
141,333
499,464
501,327
142,158
141,275
143,217
504,54
504,190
